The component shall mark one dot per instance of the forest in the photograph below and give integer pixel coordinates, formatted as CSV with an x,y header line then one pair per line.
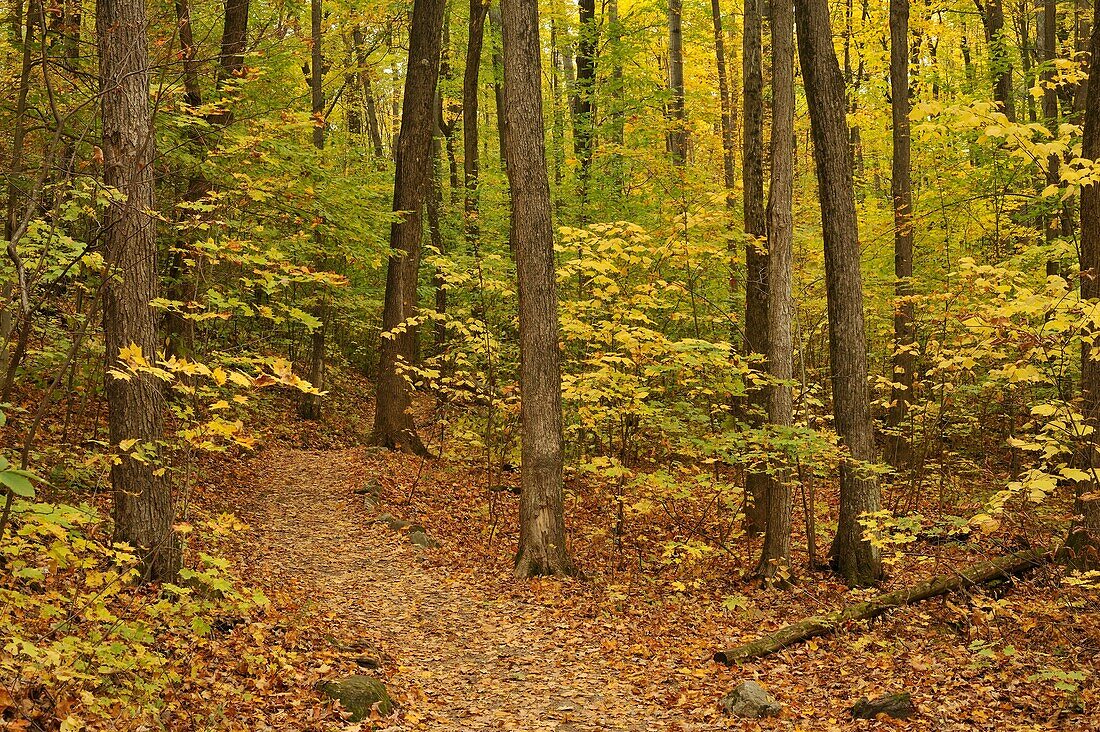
x,y
540,365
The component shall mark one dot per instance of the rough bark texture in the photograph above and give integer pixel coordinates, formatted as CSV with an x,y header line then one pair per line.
x,y
542,548
393,424
143,507
471,163
678,133
584,110
756,262
1083,543
775,559
498,75
904,360
857,560
1000,64
819,625
231,58
729,173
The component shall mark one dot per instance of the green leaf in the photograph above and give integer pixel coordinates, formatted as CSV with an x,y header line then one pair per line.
x,y
20,485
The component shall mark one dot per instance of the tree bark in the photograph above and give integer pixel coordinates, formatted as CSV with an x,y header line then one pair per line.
x,y
584,129
1083,544
143,505
678,135
371,106
542,548
857,560
393,424
756,261
904,359
820,625
498,76
775,559
1000,65
729,174
471,162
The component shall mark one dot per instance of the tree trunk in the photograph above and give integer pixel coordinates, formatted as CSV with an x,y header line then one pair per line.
x,y
1083,544
756,261
542,549
1000,65
857,560
618,112
470,162
678,134
393,424
143,505
820,625
584,129
363,75
498,76
310,405
904,359
729,174
775,559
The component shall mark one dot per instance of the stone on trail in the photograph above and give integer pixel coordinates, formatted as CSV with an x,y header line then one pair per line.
x,y
421,539
359,695
751,701
898,706
393,522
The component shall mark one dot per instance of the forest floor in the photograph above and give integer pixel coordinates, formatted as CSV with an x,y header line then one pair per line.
x,y
463,645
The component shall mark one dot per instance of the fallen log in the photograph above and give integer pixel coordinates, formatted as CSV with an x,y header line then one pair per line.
x,y
975,574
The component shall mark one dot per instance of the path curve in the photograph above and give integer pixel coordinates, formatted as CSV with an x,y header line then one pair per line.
x,y
466,659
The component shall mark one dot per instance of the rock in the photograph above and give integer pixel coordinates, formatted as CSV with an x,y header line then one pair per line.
x,y
898,706
393,522
359,695
751,701
371,492
422,540
368,662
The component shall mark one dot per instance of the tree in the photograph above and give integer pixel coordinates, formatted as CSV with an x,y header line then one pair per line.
x,y
142,494
756,263
775,557
542,549
1083,543
584,112
470,161
904,360
393,424
678,134
1000,65
729,175
856,558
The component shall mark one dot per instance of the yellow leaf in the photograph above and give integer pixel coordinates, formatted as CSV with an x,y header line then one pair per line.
x,y
127,444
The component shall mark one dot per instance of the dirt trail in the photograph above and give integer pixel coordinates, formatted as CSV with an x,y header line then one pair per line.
x,y
466,658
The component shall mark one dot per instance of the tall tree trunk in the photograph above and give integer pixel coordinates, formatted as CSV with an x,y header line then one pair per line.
x,y
310,405
618,112
678,134
729,174
143,505
904,359
1000,65
498,75
471,163
371,106
584,121
756,261
1083,544
857,559
435,231
775,559
393,424
542,549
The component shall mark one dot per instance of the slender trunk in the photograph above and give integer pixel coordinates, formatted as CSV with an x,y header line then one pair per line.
x,y
498,76
143,504
857,559
729,174
393,424
470,161
1000,65
618,113
371,106
678,134
1083,544
756,261
542,549
904,359
584,113
775,559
